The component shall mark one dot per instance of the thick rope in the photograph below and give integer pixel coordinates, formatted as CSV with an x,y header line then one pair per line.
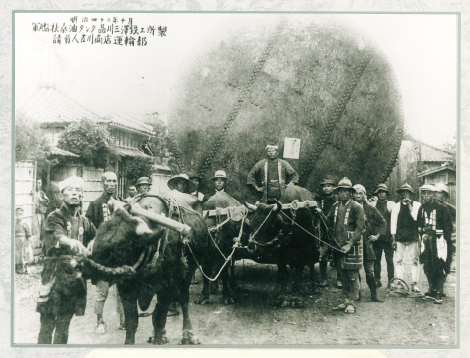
x,y
310,233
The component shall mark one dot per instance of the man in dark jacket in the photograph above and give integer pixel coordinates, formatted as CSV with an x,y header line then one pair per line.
x,y
270,176
63,291
98,212
375,226
384,242
346,219
435,227
327,199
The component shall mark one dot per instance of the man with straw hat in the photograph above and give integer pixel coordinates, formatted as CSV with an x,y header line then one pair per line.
x,y
384,242
270,176
346,219
435,228
404,230
375,227
63,291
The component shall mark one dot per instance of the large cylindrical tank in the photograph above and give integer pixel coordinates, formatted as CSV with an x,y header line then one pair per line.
x,y
316,81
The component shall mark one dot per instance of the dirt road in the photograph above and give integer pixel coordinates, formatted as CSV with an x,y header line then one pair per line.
x,y
254,320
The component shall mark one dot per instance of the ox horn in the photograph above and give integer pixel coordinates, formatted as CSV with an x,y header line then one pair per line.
x,y
250,207
183,229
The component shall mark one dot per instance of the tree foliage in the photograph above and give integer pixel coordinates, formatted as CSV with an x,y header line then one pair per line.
x,y
159,145
451,147
32,144
92,141
30,141
136,168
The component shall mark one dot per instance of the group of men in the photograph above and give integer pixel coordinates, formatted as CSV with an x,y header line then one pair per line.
x,y
360,231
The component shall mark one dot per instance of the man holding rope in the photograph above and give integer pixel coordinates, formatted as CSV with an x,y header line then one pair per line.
x,y
63,291
346,218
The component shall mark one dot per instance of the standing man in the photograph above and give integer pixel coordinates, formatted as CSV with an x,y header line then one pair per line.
x,y
346,218
404,230
384,242
196,179
41,201
328,198
435,228
99,212
63,292
375,227
22,236
132,192
270,176
143,185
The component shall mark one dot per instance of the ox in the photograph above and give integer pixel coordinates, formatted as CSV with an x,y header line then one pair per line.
x,y
227,227
273,233
144,258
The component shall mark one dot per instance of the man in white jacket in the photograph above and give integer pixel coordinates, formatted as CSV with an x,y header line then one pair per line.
x,y
404,230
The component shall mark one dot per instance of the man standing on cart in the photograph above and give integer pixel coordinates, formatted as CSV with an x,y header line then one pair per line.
x,y
270,176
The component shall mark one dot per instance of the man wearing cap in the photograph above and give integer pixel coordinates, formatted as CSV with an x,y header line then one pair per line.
x,y
328,198
375,227
63,291
196,179
384,242
143,185
346,219
98,212
435,228
270,176
404,230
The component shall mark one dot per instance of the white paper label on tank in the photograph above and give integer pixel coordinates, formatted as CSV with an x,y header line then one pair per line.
x,y
291,148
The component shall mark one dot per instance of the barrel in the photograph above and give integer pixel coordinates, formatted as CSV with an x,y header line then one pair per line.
x,y
316,81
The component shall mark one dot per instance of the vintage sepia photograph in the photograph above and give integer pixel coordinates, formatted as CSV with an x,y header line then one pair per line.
x,y
235,179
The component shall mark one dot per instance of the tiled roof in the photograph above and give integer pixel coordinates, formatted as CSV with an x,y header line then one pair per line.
x,y
430,153
58,151
47,105
435,170
131,152
129,121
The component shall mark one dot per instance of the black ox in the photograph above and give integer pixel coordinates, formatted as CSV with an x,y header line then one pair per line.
x,y
274,234
224,227
144,258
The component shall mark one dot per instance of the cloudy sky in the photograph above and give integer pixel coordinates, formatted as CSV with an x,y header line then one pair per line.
x,y
422,50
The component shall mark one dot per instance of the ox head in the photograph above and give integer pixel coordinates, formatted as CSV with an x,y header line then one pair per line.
x,y
120,242
264,226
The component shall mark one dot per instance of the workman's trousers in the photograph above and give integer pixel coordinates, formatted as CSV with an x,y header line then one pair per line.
x,y
413,249
324,251
101,294
350,282
436,278
386,247
60,323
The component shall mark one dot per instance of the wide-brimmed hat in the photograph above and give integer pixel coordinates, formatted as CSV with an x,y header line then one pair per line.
x,y
345,183
381,187
427,187
440,187
143,180
405,187
219,174
328,180
175,178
